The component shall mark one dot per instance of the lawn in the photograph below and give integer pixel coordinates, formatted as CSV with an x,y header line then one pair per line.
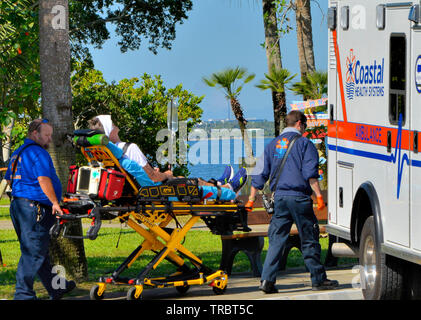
x,y
4,200
4,208
103,257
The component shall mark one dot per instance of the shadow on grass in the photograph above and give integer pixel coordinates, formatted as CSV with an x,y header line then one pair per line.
x,y
8,241
7,275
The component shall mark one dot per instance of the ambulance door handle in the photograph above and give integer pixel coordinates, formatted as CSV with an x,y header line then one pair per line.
x,y
415,141
341,197
389,141
331,113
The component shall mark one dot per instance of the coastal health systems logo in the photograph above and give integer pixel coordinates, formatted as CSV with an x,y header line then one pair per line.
x,y
364,79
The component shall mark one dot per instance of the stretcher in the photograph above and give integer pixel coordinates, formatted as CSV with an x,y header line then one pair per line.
x,y
148,211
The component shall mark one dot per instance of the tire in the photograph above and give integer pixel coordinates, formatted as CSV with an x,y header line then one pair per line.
x,y
414,282
219,291
381,275
93,294
131,294
182,290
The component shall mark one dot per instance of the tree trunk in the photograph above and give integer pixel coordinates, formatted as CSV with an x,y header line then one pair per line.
x,y
7,146
304,38
280,110
238,113
273,53
56,99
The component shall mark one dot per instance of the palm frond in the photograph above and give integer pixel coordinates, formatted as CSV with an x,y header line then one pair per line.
x,y
231,80
276,80
313,86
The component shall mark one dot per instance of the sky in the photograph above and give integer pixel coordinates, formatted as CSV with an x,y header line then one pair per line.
x,y
217,34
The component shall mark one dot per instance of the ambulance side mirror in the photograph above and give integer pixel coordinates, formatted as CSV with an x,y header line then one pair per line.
x,y
414,14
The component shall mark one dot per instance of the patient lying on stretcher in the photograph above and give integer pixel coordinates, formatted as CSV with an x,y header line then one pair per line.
x,y
134,161
227,191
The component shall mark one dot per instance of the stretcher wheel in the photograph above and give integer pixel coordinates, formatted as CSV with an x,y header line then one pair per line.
x,y
131,294
93,294
219,291
182,289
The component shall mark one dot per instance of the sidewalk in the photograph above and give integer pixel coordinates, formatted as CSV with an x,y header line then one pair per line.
x,y
293,284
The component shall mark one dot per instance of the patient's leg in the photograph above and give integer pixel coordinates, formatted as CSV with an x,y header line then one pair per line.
x,y
205,183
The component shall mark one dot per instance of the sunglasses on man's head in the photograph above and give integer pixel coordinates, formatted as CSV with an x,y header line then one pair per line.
x,y
39,123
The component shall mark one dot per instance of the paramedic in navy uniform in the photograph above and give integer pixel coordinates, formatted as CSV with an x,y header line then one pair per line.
x,y
292,202
36,192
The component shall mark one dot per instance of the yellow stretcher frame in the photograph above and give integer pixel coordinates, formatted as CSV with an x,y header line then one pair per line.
x,y
151,224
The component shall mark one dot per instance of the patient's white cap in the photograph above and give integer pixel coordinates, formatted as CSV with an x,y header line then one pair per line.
x,y
107,123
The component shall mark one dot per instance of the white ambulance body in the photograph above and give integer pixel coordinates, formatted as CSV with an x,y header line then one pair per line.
x,y
374,141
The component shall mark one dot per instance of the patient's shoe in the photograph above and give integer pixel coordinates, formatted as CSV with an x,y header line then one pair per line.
x,y
227,175
239,180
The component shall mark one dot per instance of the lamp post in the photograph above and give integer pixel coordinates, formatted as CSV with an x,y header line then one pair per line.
x,y
172,123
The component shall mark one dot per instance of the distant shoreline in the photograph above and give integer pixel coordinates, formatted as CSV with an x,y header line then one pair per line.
x,y
229,138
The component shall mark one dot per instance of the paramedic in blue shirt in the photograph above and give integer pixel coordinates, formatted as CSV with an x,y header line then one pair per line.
x,y
36,192
293,203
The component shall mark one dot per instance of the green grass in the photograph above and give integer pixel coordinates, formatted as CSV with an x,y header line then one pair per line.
x,y
104,257
4,200
4,211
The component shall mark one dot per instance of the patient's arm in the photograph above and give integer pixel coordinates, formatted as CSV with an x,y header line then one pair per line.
x,y
156,175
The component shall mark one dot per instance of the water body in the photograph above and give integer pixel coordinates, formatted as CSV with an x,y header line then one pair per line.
x,y
209,159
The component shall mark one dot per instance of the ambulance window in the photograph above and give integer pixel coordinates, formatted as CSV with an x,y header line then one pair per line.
x,y
397,69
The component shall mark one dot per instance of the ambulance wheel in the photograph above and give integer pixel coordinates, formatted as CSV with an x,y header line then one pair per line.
x,y
219,291
381,274
182,289
131,294
93,294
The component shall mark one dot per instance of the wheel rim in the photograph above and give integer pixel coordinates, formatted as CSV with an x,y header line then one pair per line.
x,y
369,271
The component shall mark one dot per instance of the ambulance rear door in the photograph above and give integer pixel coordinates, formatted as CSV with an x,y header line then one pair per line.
x,y
415,107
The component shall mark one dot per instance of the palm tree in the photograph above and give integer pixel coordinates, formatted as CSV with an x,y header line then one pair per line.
x,y
312,86
274,59
231,81
304,38
276,81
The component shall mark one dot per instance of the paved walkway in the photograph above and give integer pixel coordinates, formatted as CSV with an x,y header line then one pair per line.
x,y
293,284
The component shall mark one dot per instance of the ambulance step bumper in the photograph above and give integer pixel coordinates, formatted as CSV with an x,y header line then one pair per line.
x,y
344,250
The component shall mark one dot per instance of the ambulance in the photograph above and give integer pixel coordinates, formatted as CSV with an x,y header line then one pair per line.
x,y
374,142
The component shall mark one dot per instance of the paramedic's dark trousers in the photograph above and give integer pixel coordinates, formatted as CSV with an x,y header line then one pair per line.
x,y
287,210
34,242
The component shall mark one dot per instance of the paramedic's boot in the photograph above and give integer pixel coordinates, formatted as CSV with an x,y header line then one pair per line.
x,y
227,175
268,287
239,180
325,285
